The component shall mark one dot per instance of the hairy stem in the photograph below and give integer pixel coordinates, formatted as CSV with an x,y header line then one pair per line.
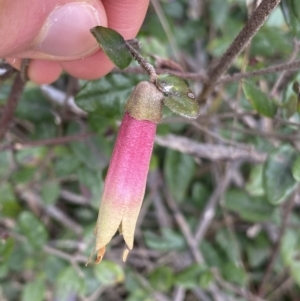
x,y
9,109
254,23
143,63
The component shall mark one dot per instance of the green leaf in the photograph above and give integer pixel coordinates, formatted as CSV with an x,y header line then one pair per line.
x,y
107,96
279,182
252,209
162,279
50,192
258,250
206,278
9,205
189,278
109,273
52,266
291,12
296,169
33,101
178,170
254,185
290,106
211,254
178,96
219,12
4,163
229,245
234,273
69,282
6,248
113,44
93,182
24,175
263,104
267,42
34,291
33,229
289,250
170,240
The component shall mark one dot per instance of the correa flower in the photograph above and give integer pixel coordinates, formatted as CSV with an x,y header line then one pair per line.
x,y
125,182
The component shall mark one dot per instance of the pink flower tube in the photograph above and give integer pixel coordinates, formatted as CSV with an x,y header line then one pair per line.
x,y
125,182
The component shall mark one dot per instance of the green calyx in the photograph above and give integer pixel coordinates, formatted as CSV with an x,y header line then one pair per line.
x,y
145,103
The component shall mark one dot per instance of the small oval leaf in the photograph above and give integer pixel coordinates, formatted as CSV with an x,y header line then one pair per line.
x,y
290,106
260,102
296,169
178,96
113,44
291,13
278,179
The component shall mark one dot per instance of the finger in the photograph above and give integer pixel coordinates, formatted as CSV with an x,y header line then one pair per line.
x,y
126,17
89,68
49,29
44,72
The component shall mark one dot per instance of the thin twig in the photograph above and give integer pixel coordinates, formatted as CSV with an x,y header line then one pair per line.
x,y
218,137
46,142
52,211
269,70
210,151
287,137
143,63
187,75
24,70
184,227
73,198
61,98
210,208
200,77
284,73
66,256
12,101
96,294
236,290
254,23
179,293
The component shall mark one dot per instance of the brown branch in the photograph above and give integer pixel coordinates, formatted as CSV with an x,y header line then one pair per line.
x,y
254,23
273,69
46,142
285,73
210,207
290,66
187,75
184,227
210,151
12,101
235,289
32,197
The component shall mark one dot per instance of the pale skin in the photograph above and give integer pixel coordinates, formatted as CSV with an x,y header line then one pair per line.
x,y
55,35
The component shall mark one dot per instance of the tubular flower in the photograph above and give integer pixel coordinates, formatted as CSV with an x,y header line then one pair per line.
x,y
125,182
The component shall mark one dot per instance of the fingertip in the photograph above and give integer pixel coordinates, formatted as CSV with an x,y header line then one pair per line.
x,y
44,72
15,62
89,68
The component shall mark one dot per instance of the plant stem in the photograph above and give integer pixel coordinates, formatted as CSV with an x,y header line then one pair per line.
x,y
143,62
12,101
254,23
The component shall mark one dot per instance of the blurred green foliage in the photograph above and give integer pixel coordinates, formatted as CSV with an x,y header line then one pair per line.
x,y
50,192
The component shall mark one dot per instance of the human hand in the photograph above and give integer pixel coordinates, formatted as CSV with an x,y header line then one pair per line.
x,y
55,35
